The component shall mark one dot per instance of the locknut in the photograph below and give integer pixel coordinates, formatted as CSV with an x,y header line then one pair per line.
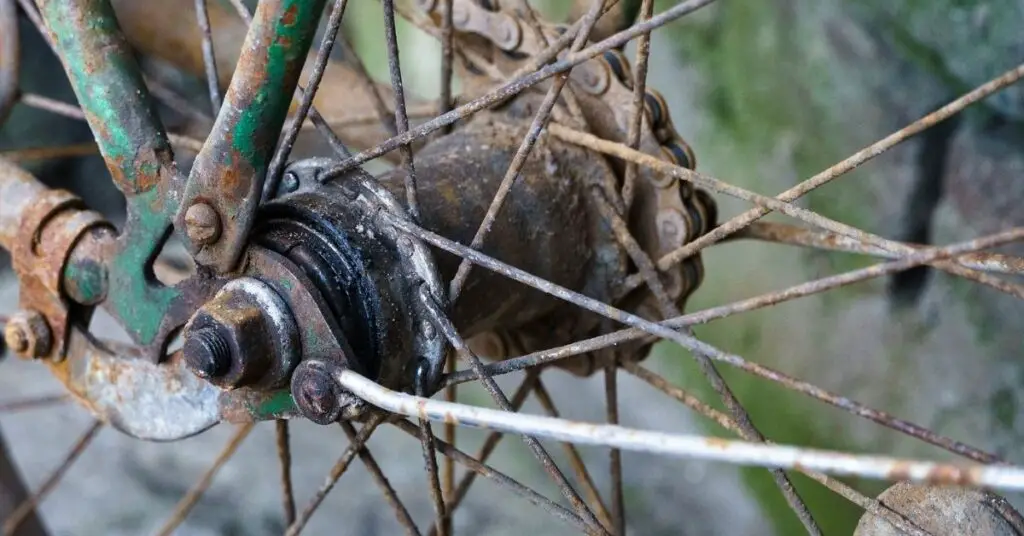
x,y
244,336
27,334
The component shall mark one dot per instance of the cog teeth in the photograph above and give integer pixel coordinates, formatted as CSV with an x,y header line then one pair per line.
x,y
679,153
657,109
619,66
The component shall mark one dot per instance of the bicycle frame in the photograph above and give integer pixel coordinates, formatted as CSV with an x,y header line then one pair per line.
x,y
229,170
60,249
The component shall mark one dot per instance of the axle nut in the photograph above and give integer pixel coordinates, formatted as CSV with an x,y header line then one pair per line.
x,y
28,335
244,336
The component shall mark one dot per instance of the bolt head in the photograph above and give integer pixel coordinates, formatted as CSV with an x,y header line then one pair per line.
x,y
202,224
316,393
27,334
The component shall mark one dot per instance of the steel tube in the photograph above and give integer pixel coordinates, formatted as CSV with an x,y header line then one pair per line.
x,y
18,189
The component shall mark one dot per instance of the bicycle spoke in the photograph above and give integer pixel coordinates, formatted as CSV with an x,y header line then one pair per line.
x,y
335,473
540,119
54,106
401,119
209,59
45,153
643,52
27,506
490,443
449,331
445,102
692,402
750,304
284,455
401,512
744,453
284,148
578,466
430,458
665,331
611,397
516,85
37,402
190,499
29,8
707,368
499,478
800,236
616,149
177,102
849,164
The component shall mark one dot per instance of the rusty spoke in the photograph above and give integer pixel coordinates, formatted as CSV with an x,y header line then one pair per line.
x,y
54,106
335,473
519,83
590,141
540,119
447,59
707,368
44,153
36,402
499,478
490,443
284,455
28,506
694,403
643,53
503,402
176,101
665,331
801,236
401,117
190,499
401,512
956,106
750,304
578,466
323,55
209,59
611,397
430,456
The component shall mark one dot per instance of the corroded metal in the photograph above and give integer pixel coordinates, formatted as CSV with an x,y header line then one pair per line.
x,y
103,72
944,510
9,57
229,171
40,227
245,335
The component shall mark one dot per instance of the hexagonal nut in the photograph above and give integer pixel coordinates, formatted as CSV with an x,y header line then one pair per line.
x,y
943,510
247,326
28,335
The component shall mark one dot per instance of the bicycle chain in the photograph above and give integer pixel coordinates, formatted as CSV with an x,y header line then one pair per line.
x,y
503,33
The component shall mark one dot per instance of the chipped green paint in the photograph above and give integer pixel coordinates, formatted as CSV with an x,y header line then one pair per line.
x,y
108,84
255,133
109,87
139,302
279,404
228,172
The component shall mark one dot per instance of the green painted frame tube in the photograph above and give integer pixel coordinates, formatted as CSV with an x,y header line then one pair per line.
x,y
229,171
